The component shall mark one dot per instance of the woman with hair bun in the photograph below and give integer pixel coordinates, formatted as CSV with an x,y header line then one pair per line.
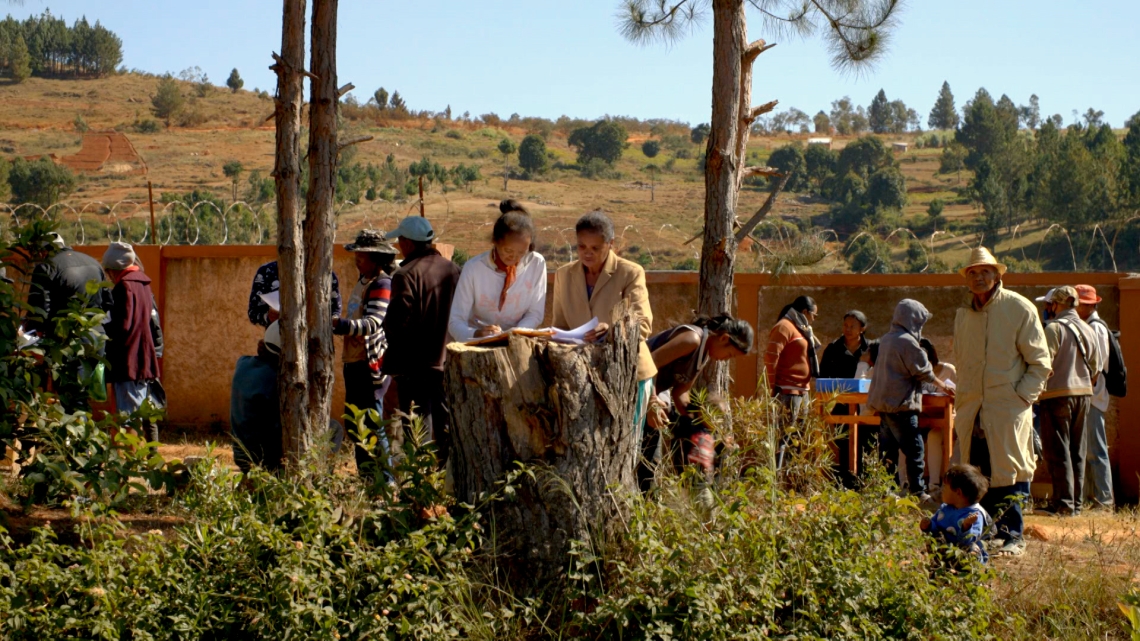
x,y
505,287
680,354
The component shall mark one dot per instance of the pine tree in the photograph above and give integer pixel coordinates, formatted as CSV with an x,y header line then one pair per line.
x,y
944,115
880,114
19,60
234,82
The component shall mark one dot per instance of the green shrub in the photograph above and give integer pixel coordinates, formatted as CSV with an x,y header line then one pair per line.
x,y
147,126
764,564
316,556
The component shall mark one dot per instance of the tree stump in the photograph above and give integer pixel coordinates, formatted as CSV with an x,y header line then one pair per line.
x,y
565,410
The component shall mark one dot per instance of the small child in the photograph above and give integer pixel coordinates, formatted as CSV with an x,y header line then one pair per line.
x,y
961,521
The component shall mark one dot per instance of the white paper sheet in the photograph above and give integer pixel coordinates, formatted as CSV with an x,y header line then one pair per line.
x,y
23,340
574,336
273,299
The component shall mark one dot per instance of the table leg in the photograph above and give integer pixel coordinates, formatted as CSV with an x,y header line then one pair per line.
x,y
947,438
853,448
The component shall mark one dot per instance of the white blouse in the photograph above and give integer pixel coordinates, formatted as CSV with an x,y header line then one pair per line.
x,y
476,302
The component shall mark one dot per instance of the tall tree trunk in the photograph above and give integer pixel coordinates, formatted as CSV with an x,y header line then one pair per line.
x,y
293,377
565,411
724,160
319,224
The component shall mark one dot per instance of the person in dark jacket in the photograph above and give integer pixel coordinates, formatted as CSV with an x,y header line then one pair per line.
x,y
901,367
255,416
416,327
265,281
132,342
55,283
59,279
841,360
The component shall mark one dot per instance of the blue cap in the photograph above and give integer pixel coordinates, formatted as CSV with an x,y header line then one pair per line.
x,y
415,228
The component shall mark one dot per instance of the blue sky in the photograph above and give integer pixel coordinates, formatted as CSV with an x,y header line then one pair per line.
x,y
542,58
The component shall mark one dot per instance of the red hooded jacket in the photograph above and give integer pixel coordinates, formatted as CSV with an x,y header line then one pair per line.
x,y
130,345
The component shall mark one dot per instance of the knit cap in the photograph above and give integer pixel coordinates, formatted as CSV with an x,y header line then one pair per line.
x,y
119,255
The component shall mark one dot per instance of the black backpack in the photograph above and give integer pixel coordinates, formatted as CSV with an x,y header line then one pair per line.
x,y
1115,373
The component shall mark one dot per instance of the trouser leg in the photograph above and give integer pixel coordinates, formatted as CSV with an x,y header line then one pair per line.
x,y
424,390
1078,446
1098,469
889,445
1056,421
1004,505
360,392
910,441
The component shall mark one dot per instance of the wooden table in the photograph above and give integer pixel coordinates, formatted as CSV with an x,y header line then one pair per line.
x,y
937,414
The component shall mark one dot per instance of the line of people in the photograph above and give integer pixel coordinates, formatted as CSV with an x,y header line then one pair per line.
x,y
397,322
1010,368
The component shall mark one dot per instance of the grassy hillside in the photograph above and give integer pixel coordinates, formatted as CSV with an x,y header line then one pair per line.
x,y
39,117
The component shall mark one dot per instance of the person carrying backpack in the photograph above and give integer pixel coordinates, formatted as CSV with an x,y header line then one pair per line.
x,y
1098,469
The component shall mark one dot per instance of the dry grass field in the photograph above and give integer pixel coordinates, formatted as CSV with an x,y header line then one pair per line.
x,y
38,117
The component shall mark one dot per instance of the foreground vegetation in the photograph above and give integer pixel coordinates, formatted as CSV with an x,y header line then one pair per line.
x,y
323,553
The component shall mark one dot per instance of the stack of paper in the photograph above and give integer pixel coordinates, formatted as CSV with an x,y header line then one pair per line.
x,y
574,336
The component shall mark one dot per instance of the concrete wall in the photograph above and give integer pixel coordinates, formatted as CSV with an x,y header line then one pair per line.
x,y
203,294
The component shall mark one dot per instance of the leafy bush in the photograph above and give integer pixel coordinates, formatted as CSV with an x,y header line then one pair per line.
x,y
605,141
40,181
768,564
147,126
167,100
789,159
866,254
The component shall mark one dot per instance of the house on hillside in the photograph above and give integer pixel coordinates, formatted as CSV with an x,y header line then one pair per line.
x,y
899,147
822,142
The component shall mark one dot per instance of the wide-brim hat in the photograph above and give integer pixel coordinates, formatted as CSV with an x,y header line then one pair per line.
x,y
982,257
370,240
1087,295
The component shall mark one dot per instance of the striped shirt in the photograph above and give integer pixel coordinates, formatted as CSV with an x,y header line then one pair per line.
x,y
366,321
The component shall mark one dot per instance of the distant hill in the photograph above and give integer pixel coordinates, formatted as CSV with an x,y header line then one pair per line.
x,y
40,116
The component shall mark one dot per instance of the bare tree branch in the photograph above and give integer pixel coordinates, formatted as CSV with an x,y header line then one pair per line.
x,y
345,89
353,141
755,49
747,228
761,110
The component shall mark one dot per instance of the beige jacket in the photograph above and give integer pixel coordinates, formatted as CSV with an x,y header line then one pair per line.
x,y
1072,374
1003,362
620,280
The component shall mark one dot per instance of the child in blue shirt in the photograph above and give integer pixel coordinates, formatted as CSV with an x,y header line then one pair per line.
x,y
960,521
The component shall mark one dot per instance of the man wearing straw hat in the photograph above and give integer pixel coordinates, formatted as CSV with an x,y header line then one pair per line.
x,y
1003,362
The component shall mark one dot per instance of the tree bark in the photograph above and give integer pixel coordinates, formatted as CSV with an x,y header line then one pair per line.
x,y
724,160
318,227
292,379
565,411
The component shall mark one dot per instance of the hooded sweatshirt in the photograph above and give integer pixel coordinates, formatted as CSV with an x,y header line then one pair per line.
x,y
902,366
132,352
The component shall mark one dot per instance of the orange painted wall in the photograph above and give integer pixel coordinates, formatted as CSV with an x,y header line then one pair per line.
x,y
203,293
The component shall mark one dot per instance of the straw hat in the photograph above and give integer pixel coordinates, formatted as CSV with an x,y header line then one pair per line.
x,y
982,256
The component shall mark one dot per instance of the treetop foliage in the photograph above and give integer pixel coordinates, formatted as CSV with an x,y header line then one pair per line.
x,y
52,49
856,32
604,140
234,82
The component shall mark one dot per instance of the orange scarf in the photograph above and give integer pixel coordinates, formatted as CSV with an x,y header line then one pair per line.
x,y
509,270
